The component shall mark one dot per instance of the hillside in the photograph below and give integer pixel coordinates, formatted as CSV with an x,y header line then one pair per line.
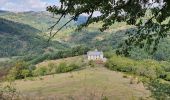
x,y
91,36
75,77
90,83
19,39
111,39
25,32
39,20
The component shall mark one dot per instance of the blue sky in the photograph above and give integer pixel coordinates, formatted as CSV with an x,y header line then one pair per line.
x,y
26,5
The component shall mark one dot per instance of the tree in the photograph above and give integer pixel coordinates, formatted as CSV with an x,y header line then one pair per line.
x,y
16,70
25,73
148,31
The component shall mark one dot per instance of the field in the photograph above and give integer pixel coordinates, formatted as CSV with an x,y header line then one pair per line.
x,y
87,84
76,60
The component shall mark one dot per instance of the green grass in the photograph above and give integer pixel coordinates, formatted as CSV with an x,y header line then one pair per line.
x,y
69,60
84,84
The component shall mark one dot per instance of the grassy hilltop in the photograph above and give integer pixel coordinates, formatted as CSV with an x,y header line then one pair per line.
x,y
89,83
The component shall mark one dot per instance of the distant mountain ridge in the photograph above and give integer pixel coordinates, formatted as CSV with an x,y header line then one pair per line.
x,y
2,11
8,26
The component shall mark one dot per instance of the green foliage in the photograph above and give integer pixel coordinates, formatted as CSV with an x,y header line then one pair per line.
x,y
148,68
25,73
74,66
4,68
121,64
160,90
41,71
19,39
108,54
36,45
167,76
150,28
51,66
75,51
54,68
63,67
16,70
19,70
41,20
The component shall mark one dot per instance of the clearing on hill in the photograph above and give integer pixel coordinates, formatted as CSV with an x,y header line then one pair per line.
x,y
88,84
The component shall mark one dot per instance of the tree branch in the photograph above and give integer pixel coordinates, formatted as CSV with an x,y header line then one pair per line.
x,y
52,27
60,28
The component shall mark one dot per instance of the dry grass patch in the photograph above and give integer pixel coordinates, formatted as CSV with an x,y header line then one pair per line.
x,y
76,60
90,83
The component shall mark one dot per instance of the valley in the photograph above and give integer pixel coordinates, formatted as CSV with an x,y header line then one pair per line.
x,y
36,69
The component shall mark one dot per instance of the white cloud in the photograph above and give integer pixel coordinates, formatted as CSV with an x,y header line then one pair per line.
x,y
2,1
24,5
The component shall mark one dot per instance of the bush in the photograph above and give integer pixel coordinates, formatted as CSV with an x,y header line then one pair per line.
x,y
167,76
75,51
148,68
160,90
74,66
41,71
63,67
108,54
165,66
122,64
51,67
25,73
92,63
19,70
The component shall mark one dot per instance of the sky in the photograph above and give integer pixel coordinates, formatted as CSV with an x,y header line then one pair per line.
x,y
30,5
26,5
33,5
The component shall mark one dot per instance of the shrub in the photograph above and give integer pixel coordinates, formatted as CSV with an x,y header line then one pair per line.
x,y
167,76
40,71
51,67
92,63
125,76
119,63
160,90
108,54
75,51
25,73
74,66
148,68
165,66
19,70
63,67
